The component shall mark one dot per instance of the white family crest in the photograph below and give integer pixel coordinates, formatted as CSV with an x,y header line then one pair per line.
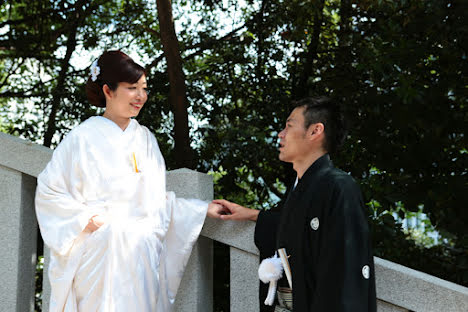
x,y
314,223
366,272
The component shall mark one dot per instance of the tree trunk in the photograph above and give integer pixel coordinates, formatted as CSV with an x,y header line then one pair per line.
x,y
65,64
177,94
344,57
56,93
260,44
301,88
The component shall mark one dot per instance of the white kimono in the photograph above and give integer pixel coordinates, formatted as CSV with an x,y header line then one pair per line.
x,y
135,261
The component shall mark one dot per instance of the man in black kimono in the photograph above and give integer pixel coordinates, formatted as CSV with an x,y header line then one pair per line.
x,y
322,223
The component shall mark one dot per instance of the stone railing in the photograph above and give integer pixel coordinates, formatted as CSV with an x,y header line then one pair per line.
x,y
398,288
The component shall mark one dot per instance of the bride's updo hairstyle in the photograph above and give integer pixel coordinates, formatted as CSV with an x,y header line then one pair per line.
x,y
111,68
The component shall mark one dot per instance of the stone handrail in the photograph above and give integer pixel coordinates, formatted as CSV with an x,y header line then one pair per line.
x,y
398,288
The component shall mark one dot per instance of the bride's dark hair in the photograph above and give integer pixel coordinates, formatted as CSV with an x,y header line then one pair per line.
x,y
114,67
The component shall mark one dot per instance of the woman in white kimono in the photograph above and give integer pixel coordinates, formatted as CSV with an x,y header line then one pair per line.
x,y
118,240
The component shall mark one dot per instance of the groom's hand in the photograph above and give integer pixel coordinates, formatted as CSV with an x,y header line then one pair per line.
x,y
236,212
215,210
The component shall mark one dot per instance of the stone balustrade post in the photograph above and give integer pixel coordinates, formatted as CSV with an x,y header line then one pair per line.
x,y
244,281
18,239
196,288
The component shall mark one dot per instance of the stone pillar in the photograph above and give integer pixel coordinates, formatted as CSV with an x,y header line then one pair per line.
x,y
244,281
46,290
383,306
18,238
196,288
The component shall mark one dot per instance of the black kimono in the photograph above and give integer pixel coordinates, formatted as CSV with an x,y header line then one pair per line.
x,y
323,226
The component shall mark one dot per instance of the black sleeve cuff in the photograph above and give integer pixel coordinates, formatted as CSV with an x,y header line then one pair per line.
x,y
265,233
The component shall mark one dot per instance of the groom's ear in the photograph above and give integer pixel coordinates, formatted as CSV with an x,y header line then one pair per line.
x,y
316,131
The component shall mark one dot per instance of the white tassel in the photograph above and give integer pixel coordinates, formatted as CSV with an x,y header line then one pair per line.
x,y
270,270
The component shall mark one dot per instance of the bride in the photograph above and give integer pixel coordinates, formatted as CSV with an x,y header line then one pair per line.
x,y
118,240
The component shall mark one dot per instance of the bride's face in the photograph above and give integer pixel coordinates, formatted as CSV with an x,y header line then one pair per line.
x,y
128,99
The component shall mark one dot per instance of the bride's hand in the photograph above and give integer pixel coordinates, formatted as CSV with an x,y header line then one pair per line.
x,y
94,223
215,210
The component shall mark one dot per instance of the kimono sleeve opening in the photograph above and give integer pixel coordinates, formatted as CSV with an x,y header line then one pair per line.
x,y
62,216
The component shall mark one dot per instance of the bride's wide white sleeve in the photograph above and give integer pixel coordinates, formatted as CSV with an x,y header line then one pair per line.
x,y
60,209
184,220
187,218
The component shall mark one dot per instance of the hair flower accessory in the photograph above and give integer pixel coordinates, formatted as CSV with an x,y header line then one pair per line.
x,y
95,70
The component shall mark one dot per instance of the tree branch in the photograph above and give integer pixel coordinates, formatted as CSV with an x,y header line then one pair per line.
x,y
11,73
260,48
21,95
202,46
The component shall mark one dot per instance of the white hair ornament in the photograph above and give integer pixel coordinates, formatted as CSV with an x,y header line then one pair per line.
x,y
95,71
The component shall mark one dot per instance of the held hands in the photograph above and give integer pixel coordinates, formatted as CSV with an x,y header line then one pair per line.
x,y
233,211
216,210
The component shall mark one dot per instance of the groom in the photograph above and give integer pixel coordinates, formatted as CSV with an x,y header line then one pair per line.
x,y
322,224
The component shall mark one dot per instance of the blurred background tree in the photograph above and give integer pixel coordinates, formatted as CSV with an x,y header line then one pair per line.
x,y
399,67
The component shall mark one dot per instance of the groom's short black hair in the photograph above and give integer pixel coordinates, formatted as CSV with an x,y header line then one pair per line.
x,y
329,113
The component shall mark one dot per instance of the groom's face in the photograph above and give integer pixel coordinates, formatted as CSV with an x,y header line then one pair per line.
x,y
294,144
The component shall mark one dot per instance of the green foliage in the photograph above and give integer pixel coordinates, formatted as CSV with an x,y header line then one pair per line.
x,y
399,67
33,41
38,281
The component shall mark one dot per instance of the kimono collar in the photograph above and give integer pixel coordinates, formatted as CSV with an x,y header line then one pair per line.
x,y
322,162
112,126
113,132
287,219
